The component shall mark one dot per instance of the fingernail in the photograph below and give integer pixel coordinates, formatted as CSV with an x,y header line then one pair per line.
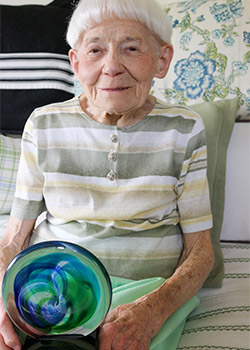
x,y
17,347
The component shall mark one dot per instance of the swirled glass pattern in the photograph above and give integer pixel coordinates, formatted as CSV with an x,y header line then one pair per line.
x,y
56,288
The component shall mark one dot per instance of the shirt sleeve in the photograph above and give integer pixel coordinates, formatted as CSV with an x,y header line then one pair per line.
x,y
192,188
28,202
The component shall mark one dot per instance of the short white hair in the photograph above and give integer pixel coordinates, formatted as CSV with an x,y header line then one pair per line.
x,y
90,12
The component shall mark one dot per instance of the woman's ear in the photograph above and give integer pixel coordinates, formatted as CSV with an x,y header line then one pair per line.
x,y
164,60
74,61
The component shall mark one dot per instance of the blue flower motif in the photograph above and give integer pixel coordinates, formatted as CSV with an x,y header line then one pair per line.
x,y
201,18
195,74
185,39
220,12
175,23
247,102
246,37
229,41
239,68
236,8
192,5
217,33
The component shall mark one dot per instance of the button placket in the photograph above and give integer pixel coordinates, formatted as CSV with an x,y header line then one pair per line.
x,y
112,175
114,137
113,156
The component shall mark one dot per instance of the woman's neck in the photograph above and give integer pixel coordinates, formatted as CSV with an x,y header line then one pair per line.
x,y
120,120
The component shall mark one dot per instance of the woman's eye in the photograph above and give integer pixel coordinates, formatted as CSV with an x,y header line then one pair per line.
x,y
95,50
133,49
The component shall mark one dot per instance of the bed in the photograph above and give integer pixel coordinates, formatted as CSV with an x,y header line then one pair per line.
x,y
214,33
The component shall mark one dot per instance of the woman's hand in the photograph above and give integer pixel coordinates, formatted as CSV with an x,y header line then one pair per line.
x,y
8,338
129,327
15,239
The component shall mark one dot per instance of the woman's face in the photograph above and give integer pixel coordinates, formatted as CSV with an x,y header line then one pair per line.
x,y
115,64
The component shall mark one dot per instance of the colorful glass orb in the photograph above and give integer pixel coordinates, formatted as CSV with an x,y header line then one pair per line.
x,y
55,288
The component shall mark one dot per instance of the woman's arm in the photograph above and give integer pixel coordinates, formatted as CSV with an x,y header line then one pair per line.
x,y
16,238
132,326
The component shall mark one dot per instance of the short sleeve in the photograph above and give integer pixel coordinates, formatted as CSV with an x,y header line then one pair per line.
x,y
192,188
28,202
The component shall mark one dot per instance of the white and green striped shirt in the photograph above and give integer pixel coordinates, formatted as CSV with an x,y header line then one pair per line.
x,y
126,194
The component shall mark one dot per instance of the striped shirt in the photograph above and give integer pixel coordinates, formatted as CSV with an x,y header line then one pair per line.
x,y
126,194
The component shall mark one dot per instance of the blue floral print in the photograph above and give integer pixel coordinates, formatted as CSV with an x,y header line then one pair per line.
x,y
239,68
194,74
221,12
185,39
246,36
236,8
229,41
217,33
212,40
191,5
225,12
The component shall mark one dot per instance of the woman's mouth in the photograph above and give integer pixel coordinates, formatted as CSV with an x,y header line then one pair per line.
x,y
115,89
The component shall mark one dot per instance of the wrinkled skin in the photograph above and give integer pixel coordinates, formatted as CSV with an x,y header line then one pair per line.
x,y
126,327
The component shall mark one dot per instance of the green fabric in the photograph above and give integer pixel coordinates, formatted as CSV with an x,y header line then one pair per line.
x,y
219,118
126,291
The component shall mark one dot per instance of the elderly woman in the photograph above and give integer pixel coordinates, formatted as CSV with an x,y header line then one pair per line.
x,y
118,172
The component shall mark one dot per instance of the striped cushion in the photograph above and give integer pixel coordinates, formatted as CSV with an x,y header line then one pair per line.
x,y
9,159
221,322
36,71
34,65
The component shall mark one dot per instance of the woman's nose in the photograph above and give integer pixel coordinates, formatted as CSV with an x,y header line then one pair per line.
x,y
112,65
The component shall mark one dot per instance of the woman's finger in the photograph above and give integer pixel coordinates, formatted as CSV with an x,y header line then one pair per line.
x,y
2,345
8,337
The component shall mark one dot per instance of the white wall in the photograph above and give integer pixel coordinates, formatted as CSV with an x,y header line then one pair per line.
x,y
236,221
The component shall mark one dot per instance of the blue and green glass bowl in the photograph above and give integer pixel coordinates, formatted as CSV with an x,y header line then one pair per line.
x,y
56,288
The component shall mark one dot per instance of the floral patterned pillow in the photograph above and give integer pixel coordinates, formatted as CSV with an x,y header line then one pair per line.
x,y
211,39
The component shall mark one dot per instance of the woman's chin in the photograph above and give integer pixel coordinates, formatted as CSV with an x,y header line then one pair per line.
x,y
116,109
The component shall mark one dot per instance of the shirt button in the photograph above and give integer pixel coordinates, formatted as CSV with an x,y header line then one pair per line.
x,y
112,156
114,138
112,176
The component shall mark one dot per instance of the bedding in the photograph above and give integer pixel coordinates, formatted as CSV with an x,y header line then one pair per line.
x,y
221,321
